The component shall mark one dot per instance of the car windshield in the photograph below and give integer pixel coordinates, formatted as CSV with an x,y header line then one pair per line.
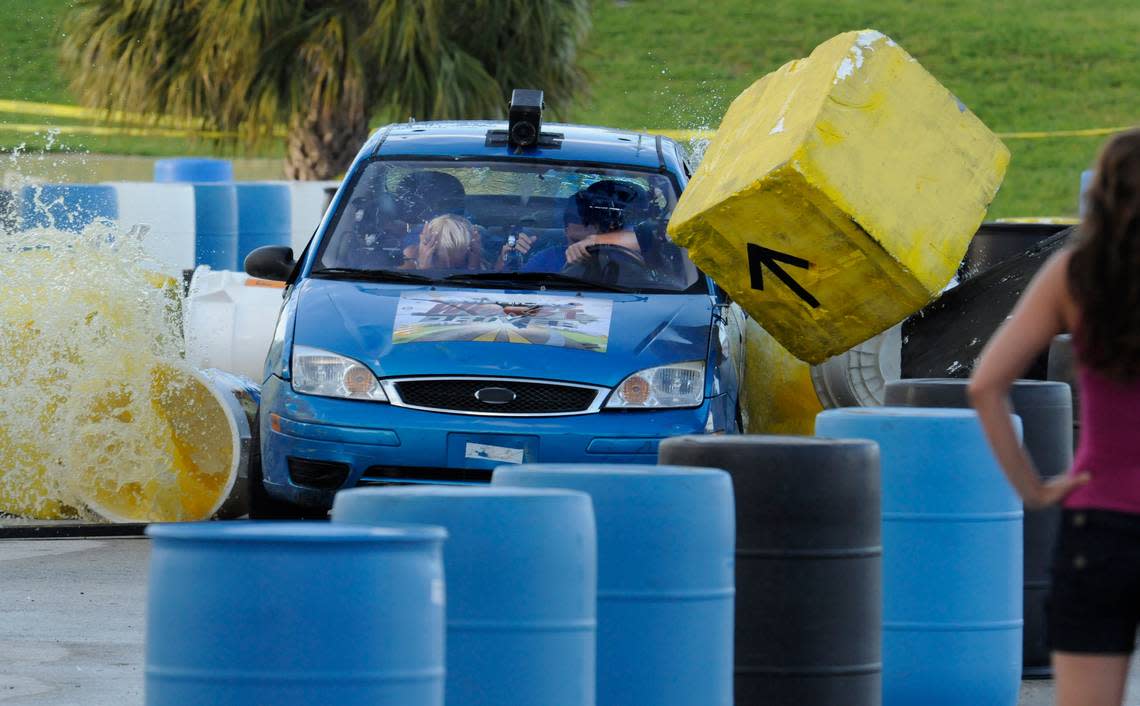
x,y
508,224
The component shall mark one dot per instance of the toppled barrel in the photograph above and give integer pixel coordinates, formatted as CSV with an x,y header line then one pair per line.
x,y
839,194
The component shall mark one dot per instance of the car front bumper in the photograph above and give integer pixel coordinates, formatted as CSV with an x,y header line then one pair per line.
x,y
343,443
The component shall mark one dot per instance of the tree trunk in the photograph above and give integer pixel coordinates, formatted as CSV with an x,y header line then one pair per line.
x,y
323,146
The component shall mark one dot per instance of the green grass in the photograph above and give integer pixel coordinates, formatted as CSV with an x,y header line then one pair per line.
x,y
29,60
1021,65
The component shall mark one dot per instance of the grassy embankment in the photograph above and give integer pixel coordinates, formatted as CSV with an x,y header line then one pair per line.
x,y
1040,65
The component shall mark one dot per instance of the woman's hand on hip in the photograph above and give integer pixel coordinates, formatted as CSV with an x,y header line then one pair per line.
x,y
1056,489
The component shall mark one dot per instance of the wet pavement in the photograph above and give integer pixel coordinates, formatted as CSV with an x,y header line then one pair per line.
x,y
72,623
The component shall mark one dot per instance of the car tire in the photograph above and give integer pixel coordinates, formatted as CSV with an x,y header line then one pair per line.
x,y
262,505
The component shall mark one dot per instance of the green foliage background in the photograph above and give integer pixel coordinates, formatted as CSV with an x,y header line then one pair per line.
x,y
1021,65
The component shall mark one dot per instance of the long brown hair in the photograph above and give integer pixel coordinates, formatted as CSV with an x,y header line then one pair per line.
x,y
1104,272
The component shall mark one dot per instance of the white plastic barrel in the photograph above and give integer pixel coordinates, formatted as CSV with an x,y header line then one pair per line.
x,y
167,210
859,377
228,320
307,200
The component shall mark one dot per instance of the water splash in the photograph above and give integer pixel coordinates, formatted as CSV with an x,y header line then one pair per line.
x,y
97,408
698,111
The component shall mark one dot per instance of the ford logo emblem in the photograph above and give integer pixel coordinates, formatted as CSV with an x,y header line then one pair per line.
x,y
495,395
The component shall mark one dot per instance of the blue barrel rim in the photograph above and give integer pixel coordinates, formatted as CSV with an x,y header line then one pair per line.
x,y
770,440
479,492
262,185
298,532
623,470
958,413
190,170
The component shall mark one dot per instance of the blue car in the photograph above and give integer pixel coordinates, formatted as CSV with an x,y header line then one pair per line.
x,y
481,294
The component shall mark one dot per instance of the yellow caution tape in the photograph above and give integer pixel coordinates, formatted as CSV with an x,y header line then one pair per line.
x,y
154,125
106,130
686,135
1045,134
54,110
195,127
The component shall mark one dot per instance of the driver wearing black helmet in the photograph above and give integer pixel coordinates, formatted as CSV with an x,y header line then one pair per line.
x,y
601,214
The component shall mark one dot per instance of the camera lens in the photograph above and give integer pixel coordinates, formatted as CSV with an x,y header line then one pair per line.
x,y
523,133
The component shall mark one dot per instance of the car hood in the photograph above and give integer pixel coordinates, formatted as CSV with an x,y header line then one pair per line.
x,y
590,337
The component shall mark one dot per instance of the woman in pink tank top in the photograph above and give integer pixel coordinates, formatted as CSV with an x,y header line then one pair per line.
x,y
1093,290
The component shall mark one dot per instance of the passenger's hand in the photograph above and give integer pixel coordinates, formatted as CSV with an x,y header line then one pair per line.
x,y
1056,489
429,240
577,252
523,244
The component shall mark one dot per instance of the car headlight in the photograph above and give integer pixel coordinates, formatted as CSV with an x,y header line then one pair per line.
x,y
677,385
318,372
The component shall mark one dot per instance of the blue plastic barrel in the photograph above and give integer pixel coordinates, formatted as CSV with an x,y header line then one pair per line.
x,y
216,226
264,217
666,538
70,207
193,169
1086,183
1046,412
521,578
295,613
952,557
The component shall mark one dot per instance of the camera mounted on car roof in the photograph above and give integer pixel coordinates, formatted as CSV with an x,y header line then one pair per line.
x,y
524,124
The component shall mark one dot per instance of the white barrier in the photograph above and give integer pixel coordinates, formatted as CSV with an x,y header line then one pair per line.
x,y
228,320
168,211
308,208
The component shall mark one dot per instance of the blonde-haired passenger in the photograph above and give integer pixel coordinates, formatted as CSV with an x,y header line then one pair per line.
x,y
447,242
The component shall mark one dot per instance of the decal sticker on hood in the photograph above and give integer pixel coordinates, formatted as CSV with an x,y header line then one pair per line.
x,y
565,322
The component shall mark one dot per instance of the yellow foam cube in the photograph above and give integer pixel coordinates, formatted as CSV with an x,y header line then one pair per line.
x,y
839,194
777,395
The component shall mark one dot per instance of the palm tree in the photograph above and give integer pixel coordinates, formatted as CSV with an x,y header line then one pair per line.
x,y
322,69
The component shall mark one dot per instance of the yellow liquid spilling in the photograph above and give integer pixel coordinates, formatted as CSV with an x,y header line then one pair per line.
x,y
99,415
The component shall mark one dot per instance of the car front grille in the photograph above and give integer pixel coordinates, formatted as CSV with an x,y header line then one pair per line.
x,y
508,396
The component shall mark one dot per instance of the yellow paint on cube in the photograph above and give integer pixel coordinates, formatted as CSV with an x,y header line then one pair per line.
x,y
777,395
847,185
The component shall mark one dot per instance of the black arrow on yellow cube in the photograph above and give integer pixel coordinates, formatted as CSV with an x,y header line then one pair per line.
x,y
760,257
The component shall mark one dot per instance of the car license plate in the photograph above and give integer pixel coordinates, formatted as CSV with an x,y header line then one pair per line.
x,y
490,450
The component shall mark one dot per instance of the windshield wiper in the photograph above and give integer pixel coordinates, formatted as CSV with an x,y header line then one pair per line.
x,y
538,278
373,275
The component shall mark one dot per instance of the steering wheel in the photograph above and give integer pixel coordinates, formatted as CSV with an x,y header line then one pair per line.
x,y
610,264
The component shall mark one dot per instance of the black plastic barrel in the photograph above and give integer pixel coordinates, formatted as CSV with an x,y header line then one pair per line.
x,y
808,565
948,335
1063,368
1046,415
996,242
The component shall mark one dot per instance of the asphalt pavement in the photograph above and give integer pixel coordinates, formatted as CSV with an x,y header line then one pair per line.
x,y
72,624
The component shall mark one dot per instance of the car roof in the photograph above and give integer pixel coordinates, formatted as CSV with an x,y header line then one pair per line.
x,y
467,139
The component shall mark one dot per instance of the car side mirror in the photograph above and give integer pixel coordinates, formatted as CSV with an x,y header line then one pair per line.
x,y
721,296
272,262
